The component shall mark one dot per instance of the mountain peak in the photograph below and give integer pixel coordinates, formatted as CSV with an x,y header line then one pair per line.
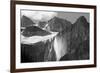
x,y
57,24
82,19
25,21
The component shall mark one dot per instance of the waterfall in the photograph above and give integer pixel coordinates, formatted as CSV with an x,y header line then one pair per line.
x,y
60,46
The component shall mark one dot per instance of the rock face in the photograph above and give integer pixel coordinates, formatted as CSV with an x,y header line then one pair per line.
x,y
25,21
72,39
79,40
42,24
80,30
32,53
58,24
34,31
38,52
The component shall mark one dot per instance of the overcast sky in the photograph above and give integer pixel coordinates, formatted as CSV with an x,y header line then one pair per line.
x,y
73,16
47,15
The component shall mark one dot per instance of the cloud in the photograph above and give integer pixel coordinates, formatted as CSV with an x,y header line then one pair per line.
x,y
39,15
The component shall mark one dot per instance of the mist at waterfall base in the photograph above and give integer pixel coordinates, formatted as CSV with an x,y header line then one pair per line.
x,y
55,40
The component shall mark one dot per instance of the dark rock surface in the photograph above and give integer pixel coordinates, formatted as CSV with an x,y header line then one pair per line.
x,y
34,31
42,24
26,22
58,24
38,52
79,41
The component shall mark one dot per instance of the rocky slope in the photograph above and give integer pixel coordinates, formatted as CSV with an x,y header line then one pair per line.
x,y
25,21
58,24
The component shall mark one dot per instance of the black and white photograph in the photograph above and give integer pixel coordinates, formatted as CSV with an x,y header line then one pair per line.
x,y
50,36
54,36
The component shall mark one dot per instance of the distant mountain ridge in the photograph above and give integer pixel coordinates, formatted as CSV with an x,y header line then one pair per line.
x,y
57,24
25,21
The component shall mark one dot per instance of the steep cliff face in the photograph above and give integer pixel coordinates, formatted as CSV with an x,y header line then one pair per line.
x,y
79,40
80,31
38,52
